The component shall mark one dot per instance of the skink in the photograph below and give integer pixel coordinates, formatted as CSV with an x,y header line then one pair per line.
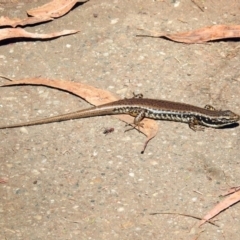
x,y
197,118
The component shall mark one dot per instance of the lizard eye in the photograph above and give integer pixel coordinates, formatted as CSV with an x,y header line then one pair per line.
x,y
228,113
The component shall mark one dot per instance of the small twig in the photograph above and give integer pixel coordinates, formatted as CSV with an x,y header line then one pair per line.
x,y
197,4
197,192
9,79
71,221
185,215
181,20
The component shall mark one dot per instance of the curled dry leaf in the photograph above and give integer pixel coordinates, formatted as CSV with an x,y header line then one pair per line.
x,y
5,21
200,35
226,203
21,33
94,96
55,8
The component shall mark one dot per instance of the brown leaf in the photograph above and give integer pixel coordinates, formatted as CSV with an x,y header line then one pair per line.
x,y
21,33
5,21
226,203
94,96
54,9
201,35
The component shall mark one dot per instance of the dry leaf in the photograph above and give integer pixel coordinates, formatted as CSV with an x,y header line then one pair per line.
x,y
54,9
94,96
200,35
44,13
21,33
226,203
5,21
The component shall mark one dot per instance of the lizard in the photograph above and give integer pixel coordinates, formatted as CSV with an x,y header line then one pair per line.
x,y
196,117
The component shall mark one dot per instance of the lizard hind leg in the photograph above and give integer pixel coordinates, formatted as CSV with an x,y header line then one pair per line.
x,y
139,116
195,125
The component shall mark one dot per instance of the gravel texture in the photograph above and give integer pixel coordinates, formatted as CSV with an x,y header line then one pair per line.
x,y
68,180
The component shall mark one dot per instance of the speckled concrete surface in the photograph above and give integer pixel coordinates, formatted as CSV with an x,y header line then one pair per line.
x,y
69,181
